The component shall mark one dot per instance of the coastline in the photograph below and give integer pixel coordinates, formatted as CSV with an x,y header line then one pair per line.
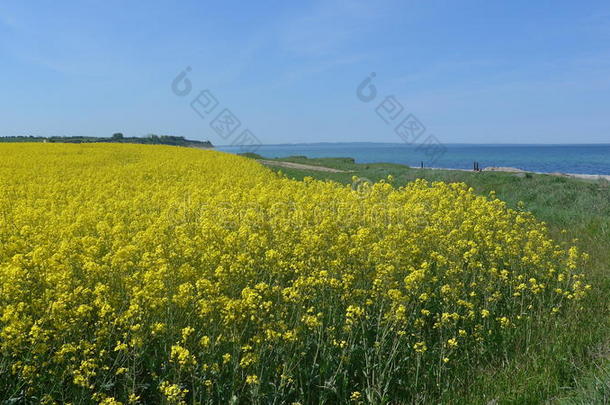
x,y
584,161
282,162
518,171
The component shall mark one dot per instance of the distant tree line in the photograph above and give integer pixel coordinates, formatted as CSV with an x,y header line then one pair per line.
x,y
118,137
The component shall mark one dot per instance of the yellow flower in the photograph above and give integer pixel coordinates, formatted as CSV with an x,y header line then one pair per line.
x,y
252,379
420,347
122,259
173,393
182,356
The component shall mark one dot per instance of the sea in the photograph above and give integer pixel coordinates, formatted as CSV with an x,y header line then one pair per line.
x,y
578,159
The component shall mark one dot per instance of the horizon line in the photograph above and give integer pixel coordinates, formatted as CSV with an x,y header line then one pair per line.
x,y
415,145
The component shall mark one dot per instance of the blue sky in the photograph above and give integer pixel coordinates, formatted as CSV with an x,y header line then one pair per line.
x,y
471,71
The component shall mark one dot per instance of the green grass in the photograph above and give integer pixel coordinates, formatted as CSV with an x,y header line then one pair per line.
x,y
570,364
594,387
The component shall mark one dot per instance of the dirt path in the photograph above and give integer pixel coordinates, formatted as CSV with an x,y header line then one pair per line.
x,y
584,176
290,165
573,175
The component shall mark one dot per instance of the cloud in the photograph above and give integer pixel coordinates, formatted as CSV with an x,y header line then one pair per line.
x,y
328,26
324,36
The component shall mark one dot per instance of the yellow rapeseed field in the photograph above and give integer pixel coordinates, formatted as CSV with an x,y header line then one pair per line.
x,y
150,274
